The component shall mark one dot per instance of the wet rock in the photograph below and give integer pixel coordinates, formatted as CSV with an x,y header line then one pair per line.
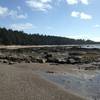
x,y
33,59
61,60
52,59
11,63
12,58
47,55
71,61
77,53
5,61
90,68
3,57
41,60
27,61
97,60
51,72
75,59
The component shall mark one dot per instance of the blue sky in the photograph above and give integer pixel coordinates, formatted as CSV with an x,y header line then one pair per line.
x,y
68,18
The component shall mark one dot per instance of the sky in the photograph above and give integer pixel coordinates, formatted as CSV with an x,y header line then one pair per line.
x,y
77,19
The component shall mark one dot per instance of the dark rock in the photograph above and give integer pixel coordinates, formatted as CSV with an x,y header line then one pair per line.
x,y
51,72
90,68
41,60
97,60
27,61
33,59
52,59
48,55
76,53
5,61
11,63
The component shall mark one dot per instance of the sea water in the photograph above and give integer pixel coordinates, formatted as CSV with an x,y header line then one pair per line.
x,y
84,85
91,46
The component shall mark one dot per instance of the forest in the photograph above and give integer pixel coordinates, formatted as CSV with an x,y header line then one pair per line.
x,y
12,37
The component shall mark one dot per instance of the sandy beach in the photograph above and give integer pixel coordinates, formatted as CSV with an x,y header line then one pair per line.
x,y
18,82
49,73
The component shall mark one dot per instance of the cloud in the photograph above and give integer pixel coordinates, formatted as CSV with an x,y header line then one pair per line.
x,y
85,16
22,26
5,12
96,26
45,1
17,15
73,2
75,14
40,5
81,15
86,2
22,16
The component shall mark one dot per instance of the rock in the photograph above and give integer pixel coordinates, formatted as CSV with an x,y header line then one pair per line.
x,y
97,60
78,59
27,61
52,60
41,60
50,72
77,53
3,57
47,55
33,59
71,61
61,60
5,61
90,68
11,63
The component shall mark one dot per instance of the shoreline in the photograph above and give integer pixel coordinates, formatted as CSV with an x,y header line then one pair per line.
x,y
32,46
63,87
20,83
32,68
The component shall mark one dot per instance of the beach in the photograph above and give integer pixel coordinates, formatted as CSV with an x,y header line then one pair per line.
x,y
49,73
19,82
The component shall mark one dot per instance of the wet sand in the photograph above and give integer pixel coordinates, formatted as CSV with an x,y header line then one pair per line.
x,y
19,82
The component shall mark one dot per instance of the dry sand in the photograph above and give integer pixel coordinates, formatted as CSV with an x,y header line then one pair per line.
x,y
18,82
32,46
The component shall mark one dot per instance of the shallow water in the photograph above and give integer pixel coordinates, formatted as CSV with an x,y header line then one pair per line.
x,y
91,46
84,86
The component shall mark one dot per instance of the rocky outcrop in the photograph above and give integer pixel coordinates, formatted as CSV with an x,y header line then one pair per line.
x,y
59,55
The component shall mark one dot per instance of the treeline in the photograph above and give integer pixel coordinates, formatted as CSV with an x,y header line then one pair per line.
x,y
10,37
